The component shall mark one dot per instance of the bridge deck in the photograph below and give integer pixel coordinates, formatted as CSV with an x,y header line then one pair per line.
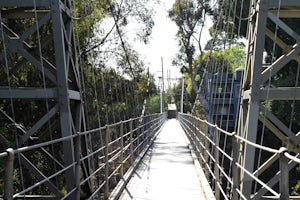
x,y
168,171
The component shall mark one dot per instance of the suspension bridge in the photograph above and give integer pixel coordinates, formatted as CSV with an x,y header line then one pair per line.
x,y
56,144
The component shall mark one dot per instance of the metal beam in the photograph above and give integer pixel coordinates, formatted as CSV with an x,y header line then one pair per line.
x,y
62,70
280,63
284,26
28,93
22,14
281,93
17,44
272,127
35,93
30,58
39,175
281,126
275,3
25,3
278,41
38,125
33,28
74,95
251,107
273,181
290,13
266,165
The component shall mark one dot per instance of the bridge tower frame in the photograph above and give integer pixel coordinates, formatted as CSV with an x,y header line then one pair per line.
x,y
62,75
256,87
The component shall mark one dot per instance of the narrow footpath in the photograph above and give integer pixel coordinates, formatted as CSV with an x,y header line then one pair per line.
x,y
167,172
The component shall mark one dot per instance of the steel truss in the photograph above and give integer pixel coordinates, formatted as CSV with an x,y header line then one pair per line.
x,y
257,87
47,46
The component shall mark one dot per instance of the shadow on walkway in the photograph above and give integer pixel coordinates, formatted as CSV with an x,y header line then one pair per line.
x,y
167,170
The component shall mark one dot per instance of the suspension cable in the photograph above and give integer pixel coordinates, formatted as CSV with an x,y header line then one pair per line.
x,y
10,94
268,91
44,81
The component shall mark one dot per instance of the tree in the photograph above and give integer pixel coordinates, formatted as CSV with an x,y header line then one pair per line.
x,y
230,21
121,99
218,61
288,76
112,40
189,16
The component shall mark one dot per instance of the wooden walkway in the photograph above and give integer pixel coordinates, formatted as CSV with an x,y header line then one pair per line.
x,y
168,171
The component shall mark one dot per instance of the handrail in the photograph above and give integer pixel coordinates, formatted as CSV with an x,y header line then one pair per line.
x,y
122,143
204,138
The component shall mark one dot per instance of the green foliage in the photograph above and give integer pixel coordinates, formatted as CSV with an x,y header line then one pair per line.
x,y
296,188
109,94
226,60
189,16
153,104
87,14
228,25
113,97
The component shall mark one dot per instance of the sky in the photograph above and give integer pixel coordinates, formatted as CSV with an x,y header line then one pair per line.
x,y
163,43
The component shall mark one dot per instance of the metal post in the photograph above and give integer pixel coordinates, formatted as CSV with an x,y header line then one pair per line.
x,y
235,178
161,100
122,150
77,166
106,192
8,176
217,174
284,175
163,82
201,139
63,52
252,84
195,135
138,137
197,150
182,92
131,142
206,157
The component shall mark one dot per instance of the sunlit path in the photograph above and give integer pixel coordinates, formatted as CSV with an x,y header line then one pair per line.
x,y
83,109
167,171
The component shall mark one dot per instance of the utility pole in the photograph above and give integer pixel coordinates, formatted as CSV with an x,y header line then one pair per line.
x,y
163,85
182,92
161,96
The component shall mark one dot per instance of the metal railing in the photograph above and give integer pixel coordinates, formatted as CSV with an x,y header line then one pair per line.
x,y
219,154
112,152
